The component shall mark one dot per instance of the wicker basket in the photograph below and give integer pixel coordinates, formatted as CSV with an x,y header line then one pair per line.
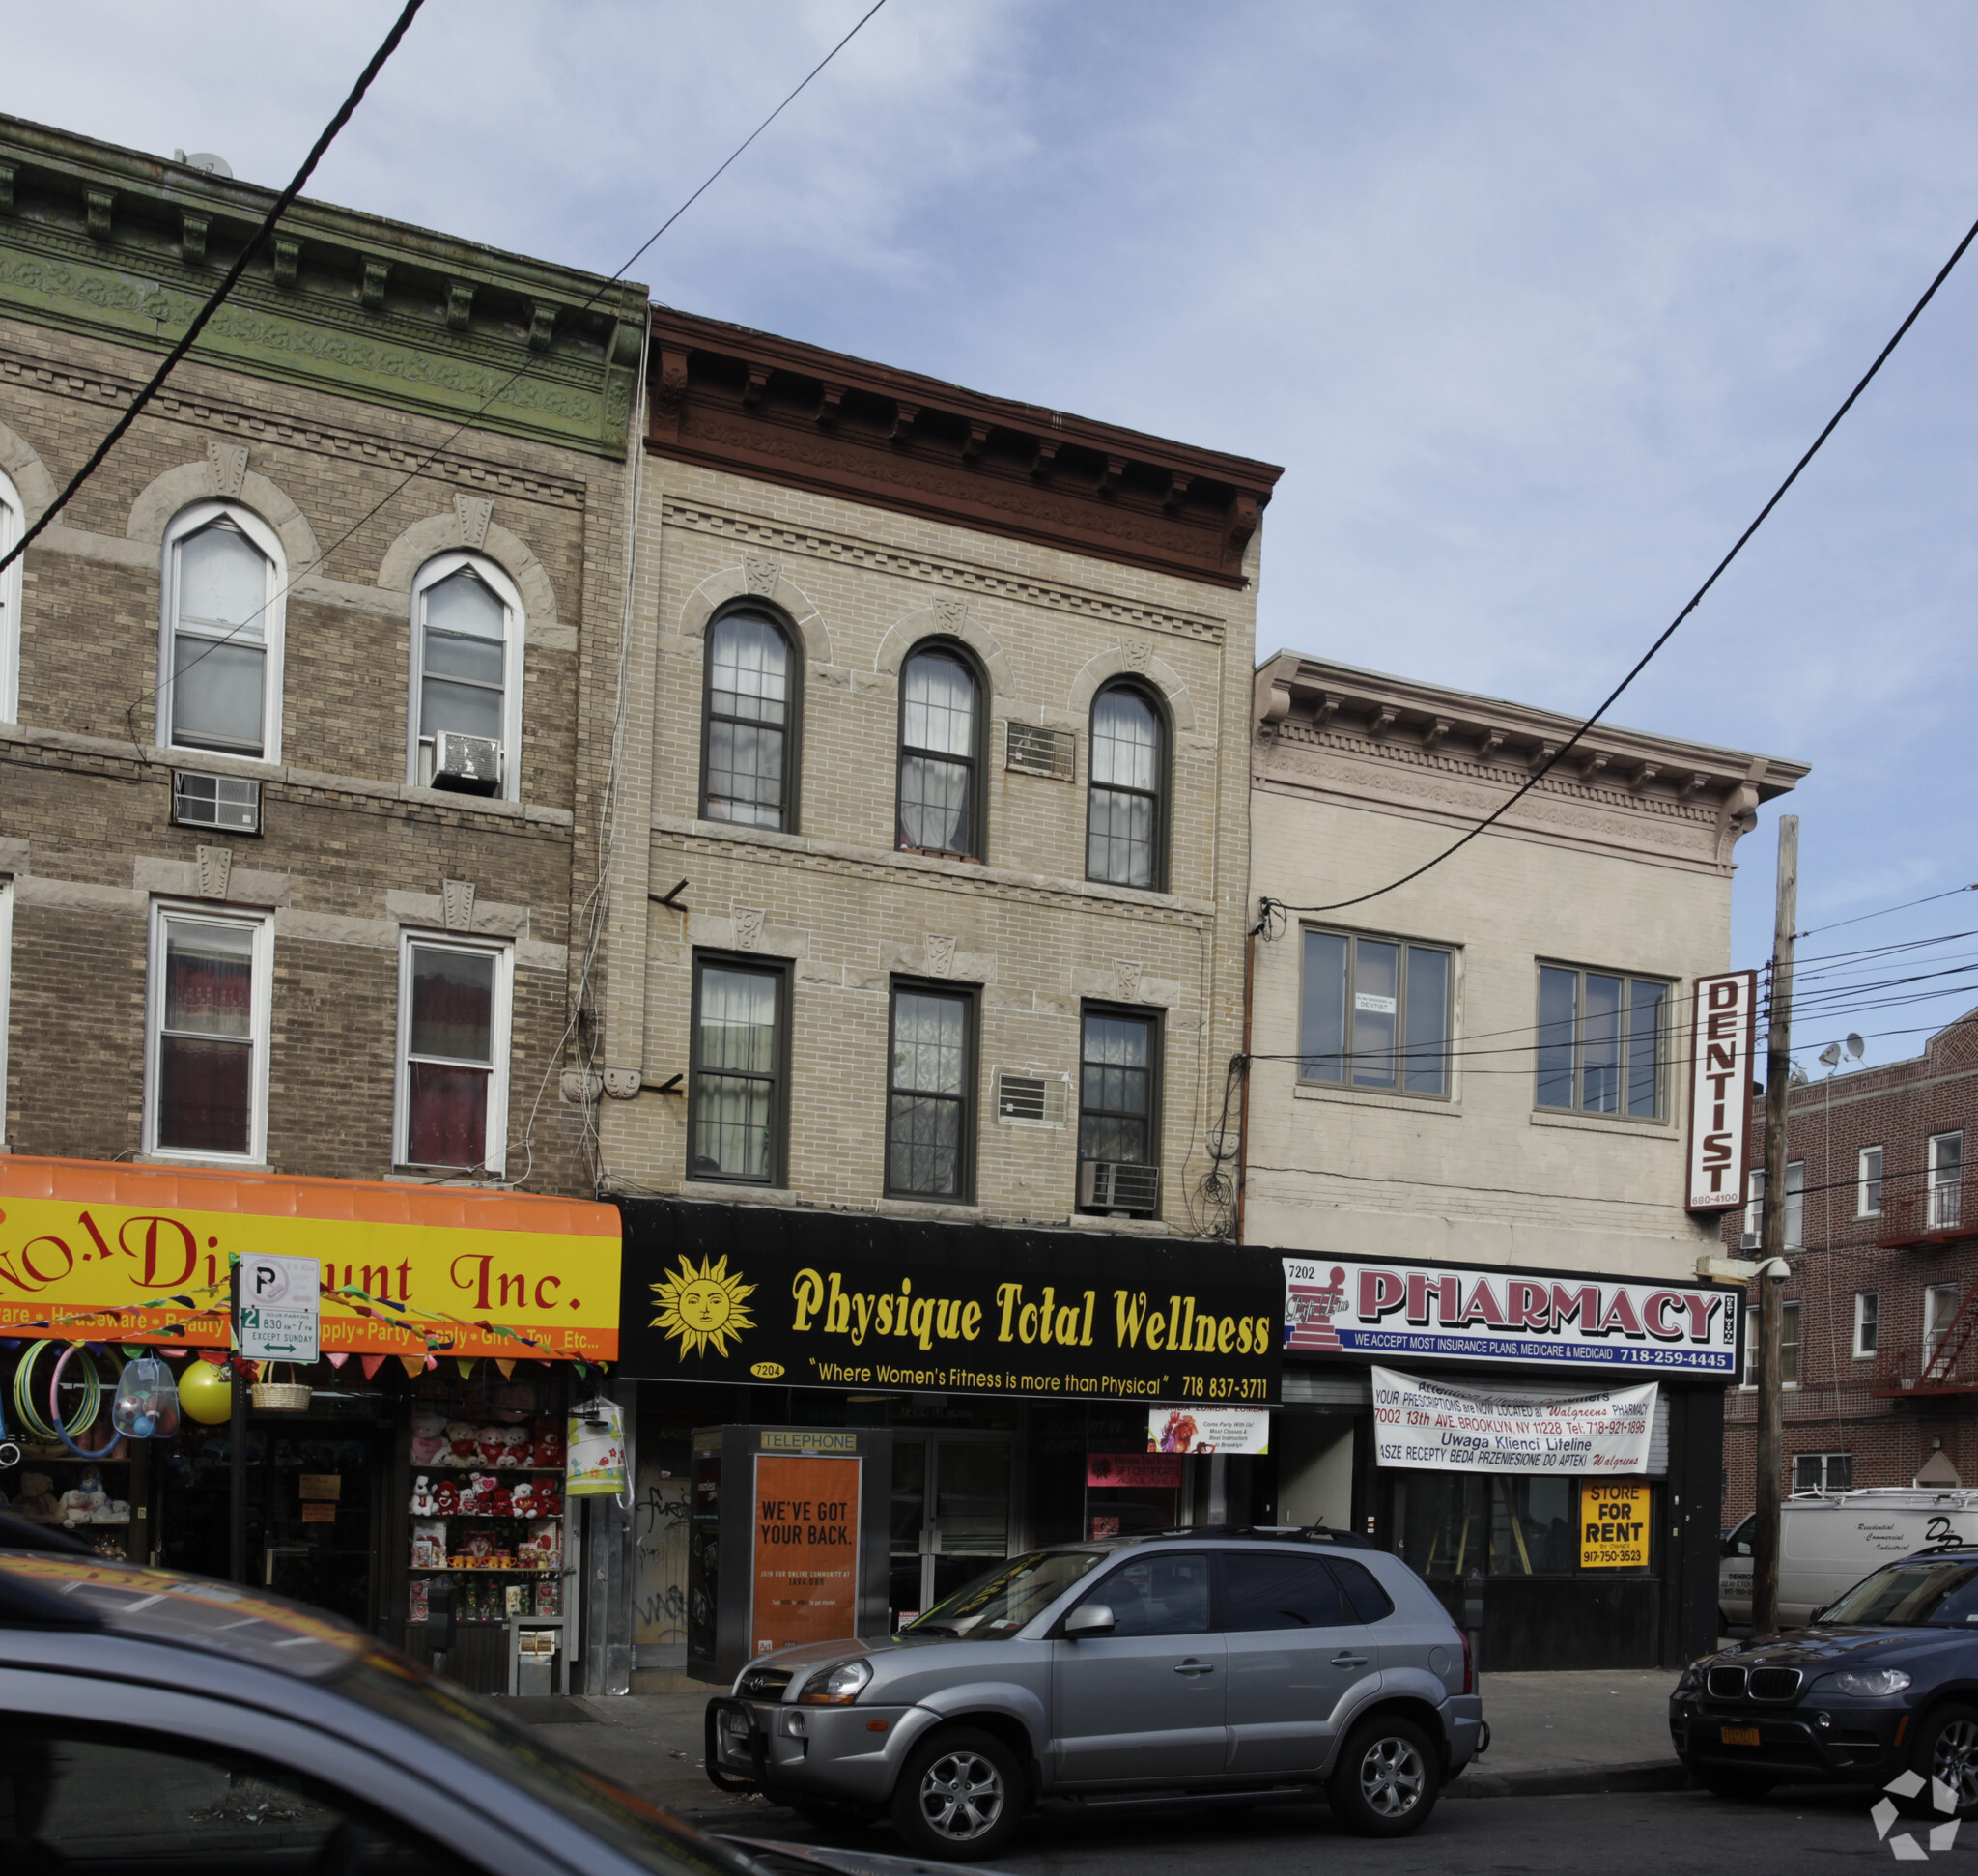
x,y
281,1397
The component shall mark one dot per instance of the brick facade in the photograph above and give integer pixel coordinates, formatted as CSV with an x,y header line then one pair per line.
x,y
1883,1410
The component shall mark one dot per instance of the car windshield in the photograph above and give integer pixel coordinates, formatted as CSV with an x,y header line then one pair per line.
x,y
1002,1601
1940,1594
477,1730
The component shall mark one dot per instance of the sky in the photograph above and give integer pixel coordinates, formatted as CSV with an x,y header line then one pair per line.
x,y
1536,303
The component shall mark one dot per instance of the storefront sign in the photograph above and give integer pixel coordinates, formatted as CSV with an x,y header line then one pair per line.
x,y
443,1268
1208,1429
1722,1035
1614,1526
1150,1472
829,1299
1423,1425
1426,1312
278,1308
807,1551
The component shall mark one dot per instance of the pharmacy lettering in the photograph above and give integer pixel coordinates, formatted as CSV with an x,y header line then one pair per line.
x,y
747,1293
1467,1314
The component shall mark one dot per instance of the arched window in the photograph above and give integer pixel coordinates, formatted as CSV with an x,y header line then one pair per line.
x,y
467,677
220,675
748,768
940,738
1124,832
12,516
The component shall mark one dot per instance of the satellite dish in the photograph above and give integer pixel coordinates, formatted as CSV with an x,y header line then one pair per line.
x,y
1797,1078
1856,1045
1831,1055
204,159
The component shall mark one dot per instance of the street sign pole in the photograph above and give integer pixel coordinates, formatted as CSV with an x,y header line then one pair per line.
x,y
236,1451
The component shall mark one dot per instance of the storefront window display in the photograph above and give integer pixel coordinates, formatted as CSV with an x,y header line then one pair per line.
x,y
88,1493
1454,1522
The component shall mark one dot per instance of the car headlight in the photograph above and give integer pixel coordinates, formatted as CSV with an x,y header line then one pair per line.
x,y
1875,1683
1692,1678
836,1685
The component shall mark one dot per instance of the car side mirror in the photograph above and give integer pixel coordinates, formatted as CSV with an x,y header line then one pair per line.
x,y
1087,1620
1817,1614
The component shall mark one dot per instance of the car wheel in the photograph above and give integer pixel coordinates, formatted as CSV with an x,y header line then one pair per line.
x,y
1727,1782
960,1796
1945,1749
1386,1782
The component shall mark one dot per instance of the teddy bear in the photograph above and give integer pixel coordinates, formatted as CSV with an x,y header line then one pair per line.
x,y
477,1495
548,1446
488,1444
549,1500
428,1438
423,1504
113,1511
459,1443
523,1500
500,1502
445,1498
37,1501
516,1447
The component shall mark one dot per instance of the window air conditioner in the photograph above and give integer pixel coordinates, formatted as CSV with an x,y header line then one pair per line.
x,y
216,801
470,766
1749,1240
1107,1185
1032,1100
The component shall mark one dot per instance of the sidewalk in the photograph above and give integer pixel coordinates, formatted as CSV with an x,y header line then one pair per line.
x,y
1550,1734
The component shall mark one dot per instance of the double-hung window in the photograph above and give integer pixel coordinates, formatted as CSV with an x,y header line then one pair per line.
x,y
1939,1312
738,1072
930,1122
1602,1043
1118,1078
11,521
1375,1013
1789,1347
1124,833
220,685
1868,1183
206,1071
1867,1322
940,734
1824,1472
1946,1174
1795,1204
453,1018
467,673
750,718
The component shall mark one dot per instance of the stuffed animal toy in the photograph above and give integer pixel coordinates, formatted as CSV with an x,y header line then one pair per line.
x,y
516,1447
488,1444
428,1438
523,1500
114,1511
445,1498
500,1502
423,1505
37,1501
548,1446
81,1503
459,1443
549,1500
477,1497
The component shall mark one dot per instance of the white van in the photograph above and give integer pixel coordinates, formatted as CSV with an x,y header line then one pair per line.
x,y
1828,1541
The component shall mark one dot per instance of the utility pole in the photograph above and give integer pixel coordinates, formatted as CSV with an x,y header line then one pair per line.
x,y
1771,1313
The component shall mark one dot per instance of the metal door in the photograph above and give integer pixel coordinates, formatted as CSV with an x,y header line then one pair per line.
x,y
950,1515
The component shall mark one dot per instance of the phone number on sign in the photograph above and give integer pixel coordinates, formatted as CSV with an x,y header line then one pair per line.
x,y
1222,1387
1621,1555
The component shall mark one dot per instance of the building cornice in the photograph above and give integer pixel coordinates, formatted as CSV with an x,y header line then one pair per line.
x,y
126,246
774,408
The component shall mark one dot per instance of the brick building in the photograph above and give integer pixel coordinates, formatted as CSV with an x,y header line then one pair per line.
x,y
927,890
1881,1358
296,813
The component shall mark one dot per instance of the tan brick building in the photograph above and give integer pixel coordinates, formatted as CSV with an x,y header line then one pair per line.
x,y
297,818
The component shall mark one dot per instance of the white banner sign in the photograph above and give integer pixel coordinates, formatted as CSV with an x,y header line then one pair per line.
x,y
279,1314
1199,1429
1720,1050
1423,1425
1439,1313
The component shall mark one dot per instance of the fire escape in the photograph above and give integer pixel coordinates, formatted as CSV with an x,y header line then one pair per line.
x,y
1945,1362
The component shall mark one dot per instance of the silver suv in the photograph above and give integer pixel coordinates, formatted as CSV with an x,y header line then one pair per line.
x,y
1196,1662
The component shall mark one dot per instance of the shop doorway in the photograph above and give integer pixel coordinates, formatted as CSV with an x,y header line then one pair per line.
x,y
950,1515
315,1492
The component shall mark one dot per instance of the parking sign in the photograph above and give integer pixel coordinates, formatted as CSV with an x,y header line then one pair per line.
x,y
278,1308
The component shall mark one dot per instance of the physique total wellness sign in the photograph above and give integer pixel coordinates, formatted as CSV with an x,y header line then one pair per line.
x,y
1423,1312
1429,1426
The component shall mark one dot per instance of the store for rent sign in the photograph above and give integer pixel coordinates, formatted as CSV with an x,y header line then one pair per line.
x,y
1722,1035
1429,1426
1614,1526
1426,1312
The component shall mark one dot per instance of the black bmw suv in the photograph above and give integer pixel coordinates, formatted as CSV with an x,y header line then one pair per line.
x,y
1884,1682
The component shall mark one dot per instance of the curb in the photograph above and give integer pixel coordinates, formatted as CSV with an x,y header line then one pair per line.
x,y
1572,1781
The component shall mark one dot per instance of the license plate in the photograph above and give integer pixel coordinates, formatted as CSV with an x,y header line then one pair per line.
x,y
1739,1735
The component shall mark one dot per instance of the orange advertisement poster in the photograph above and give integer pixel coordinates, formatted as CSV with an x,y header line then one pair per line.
x,y
807,1551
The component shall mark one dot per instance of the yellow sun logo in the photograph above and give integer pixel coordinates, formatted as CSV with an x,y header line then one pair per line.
x,y
703,1308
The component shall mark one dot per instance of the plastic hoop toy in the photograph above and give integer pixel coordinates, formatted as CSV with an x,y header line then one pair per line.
x,y
10,1450
30,1418
93,1398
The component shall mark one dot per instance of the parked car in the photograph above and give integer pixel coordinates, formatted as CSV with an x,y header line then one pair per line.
x,y
1885,1681
151,1720
1828,1541
1196,1664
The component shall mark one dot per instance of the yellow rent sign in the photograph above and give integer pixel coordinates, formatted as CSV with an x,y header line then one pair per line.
x,y
1614,1526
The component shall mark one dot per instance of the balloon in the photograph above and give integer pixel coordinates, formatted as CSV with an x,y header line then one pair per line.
x,y
206,1393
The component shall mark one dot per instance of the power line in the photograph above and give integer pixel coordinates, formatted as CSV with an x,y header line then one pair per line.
x,y
230,279
1887,909
1669,631
562,321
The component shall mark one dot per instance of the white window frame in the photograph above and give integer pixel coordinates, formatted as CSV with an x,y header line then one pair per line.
x,y
1867,1316
13,520
261,1004
494,1153
514,641
1935,1184
185,523
1755,1204
1825,1459
1866,1179
1793,1232
1749,1380
1933,1338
